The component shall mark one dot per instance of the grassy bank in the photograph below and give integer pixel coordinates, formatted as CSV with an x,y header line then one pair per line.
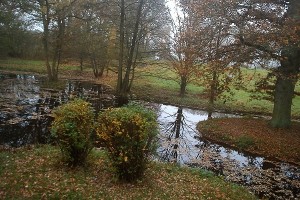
x,y
158,83
35,66
37,173
23,65
255,136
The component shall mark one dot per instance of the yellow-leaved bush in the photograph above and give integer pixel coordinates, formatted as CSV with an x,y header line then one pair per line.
x,y
72,128
129,134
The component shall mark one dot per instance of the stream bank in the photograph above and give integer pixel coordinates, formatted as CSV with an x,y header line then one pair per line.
x,y
25,116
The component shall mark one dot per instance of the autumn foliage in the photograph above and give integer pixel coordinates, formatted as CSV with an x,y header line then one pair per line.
x,y
72,127
128,134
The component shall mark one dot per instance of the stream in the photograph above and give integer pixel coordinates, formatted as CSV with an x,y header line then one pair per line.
x,y
25,117
180,142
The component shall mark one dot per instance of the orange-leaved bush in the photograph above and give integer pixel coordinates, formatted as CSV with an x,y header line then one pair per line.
x,y
128,133
72,127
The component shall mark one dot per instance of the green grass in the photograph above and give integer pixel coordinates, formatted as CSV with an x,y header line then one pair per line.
x,y
244,142
23,65
242,101
161,86
35,66
38,173
158,83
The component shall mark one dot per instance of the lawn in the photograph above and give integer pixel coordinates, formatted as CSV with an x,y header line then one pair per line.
x,y
36,66
38,173
160,84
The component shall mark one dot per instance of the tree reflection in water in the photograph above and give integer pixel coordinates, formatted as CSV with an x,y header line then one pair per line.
x,y
180,143
25,111
175,143
25,108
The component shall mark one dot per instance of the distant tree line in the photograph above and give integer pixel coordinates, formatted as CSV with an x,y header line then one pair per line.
x,y
86,31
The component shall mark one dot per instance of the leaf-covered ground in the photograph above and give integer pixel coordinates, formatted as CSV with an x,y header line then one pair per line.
x,y
256,136
38,173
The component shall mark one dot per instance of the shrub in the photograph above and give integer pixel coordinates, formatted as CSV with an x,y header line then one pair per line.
x,y
72,127
128,133
244,142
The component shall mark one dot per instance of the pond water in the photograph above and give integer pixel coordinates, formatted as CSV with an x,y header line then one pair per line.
x,y
25,107
25,117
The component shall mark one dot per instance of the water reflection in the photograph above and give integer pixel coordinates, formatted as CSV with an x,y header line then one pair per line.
x,y
25,117
25,111
180,142
170,149
176,143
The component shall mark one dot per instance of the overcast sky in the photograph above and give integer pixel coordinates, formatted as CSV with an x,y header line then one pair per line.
x,y
174,10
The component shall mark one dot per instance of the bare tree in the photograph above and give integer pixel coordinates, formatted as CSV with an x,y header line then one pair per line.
x,y
53,15
135,24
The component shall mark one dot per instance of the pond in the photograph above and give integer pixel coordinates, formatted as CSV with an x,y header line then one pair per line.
x,y
25,117
25,107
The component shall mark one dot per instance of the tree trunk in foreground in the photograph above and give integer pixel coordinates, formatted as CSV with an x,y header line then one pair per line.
x,y
284,92
284,88
287,75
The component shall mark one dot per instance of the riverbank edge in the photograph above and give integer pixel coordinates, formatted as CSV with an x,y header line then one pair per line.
x,y
230,132
135,94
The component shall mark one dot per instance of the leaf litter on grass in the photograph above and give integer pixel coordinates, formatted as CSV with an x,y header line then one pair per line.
x,y
35,173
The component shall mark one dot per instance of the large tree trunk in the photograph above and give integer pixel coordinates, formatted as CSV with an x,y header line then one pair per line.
x,y
284,88
46,20
287,75
58,47
52,69
284,92
98,66
123,84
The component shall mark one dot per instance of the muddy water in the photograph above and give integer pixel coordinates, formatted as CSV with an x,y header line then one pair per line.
x,y
25,117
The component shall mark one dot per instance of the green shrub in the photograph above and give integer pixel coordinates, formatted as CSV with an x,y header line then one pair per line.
x,y
128,134
72,127
244,142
